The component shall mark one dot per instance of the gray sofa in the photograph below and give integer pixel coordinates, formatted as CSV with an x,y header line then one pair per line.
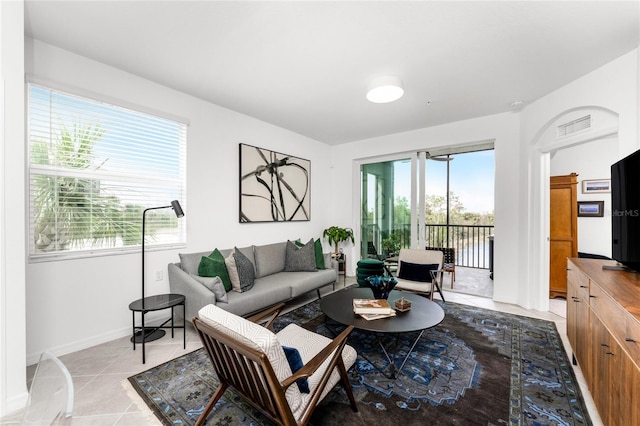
x,y
272,284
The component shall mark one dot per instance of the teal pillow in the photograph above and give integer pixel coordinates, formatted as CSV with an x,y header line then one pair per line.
x,y
214,266
295,362
319,255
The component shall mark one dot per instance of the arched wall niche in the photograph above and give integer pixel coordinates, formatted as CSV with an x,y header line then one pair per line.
x,y
547,141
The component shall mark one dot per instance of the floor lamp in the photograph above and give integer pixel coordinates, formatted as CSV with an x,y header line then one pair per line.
x,y
151,334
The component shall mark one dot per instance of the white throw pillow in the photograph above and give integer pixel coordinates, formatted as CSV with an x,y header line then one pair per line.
x,y
230,261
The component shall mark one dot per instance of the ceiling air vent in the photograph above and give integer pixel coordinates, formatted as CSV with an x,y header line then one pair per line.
x,y
574,126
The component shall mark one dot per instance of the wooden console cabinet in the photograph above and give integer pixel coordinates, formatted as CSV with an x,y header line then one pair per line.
x,y
603,327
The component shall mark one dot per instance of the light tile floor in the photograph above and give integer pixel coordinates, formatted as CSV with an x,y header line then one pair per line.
x,y
103,395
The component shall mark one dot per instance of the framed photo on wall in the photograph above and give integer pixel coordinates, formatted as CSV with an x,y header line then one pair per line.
x,y
274,187
590,208
596,185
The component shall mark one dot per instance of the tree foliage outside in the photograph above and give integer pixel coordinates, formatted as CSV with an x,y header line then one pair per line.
x,y
435,214
71,212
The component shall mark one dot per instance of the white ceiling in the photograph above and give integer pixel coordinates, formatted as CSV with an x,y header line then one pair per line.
x,y
305,66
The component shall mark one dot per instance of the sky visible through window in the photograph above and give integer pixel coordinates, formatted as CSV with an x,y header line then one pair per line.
x,y
472,179
125,143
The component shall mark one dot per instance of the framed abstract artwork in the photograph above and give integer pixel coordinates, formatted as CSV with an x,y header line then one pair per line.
x,y
274,187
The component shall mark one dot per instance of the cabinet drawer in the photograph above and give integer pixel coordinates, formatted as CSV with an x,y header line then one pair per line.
x,y
609,312
631,339
580,280
621,324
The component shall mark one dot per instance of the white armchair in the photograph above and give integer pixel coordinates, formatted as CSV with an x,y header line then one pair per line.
x,y
420,271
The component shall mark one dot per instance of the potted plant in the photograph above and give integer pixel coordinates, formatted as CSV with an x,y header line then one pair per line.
x,y
336,234
392,244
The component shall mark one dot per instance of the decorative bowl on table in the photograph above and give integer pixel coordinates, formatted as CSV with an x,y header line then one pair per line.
x,y
381,286
402,304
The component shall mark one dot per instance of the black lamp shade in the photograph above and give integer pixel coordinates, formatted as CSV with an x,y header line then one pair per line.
x,y
175,204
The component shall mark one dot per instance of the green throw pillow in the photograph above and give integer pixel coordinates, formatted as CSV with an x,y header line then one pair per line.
x,y
214,266
319,256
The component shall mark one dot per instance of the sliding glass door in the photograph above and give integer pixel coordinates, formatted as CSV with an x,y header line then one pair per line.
x,y
385,209
440,199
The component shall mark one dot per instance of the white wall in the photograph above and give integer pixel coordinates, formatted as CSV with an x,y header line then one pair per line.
x,y
612,87
590,161
12,213
502,128
74,304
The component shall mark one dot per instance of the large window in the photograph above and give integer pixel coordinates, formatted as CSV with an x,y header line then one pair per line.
x,y
93,169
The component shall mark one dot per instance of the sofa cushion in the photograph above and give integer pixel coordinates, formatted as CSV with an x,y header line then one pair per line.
x,y
270,258
215,285
300,258
246,273
214,266
303,282
189,262
266,291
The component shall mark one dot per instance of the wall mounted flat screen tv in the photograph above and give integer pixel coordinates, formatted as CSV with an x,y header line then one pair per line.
x,y
625,211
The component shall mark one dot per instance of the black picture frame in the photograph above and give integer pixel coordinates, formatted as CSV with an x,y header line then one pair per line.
x,y
590,208
274,187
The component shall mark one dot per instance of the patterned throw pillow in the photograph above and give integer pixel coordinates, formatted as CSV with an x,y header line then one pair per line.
x,y
317,245
246,273
300,258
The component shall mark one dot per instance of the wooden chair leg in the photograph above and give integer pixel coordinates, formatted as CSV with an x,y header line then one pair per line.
x,y
212,402
347,385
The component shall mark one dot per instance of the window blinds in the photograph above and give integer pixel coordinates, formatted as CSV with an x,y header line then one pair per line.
x,y
93,169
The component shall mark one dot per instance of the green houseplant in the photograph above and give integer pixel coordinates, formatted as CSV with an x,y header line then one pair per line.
x,y
336,235
392,244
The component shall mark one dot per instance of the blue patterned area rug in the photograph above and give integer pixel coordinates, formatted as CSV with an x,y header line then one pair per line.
x,y
478,367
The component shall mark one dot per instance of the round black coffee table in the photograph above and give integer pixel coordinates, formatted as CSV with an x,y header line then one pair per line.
x,y
424,314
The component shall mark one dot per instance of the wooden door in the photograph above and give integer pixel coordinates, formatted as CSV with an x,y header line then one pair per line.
x,y
563,231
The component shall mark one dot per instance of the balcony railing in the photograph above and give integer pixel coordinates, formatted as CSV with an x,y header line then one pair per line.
x,y
471,242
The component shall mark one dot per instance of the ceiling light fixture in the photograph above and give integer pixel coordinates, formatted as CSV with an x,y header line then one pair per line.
x,y
385,89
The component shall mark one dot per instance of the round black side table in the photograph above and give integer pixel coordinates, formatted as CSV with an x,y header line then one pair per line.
x,y
143,334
